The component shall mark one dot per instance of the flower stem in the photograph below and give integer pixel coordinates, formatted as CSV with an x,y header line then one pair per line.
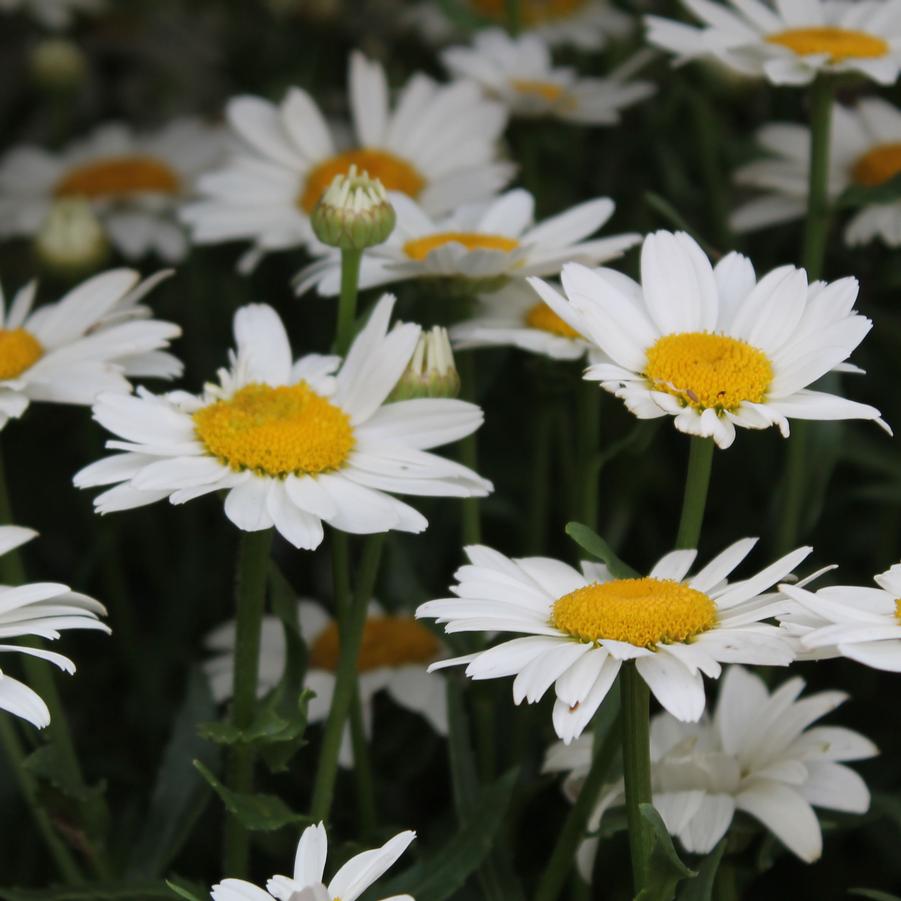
x,y
351,634
694,501
539,483
250,597
589,446
347,300
512,10
362,769
636,768
469,453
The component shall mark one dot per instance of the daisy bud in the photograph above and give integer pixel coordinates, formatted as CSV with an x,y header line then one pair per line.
x,y
58,64
354,213
431,371
71,240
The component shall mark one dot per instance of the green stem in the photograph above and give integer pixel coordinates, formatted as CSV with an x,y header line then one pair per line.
x,y
250,597
469,452
816,228
513,16
351,634
347,300
15,753
539,483
589,447
636,768
726,886
363,769
694,501
560,864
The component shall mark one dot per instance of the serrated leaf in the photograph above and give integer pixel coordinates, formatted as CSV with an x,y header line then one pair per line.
x,y
258,813
873,894
666,869
140,891
590,541
701,887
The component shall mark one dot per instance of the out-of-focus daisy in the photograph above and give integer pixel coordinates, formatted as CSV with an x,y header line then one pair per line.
x,y
307,883
581,626
587,24
515,316
56,14
42,610
290,442
134,182
486,242
862,624
439,144
520,73
865,150
787,41
393,658
88,342
712,346
759,754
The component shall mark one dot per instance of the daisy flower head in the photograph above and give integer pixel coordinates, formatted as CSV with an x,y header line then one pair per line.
x,y
714,347
789,42
437,143
519,72
481,244
306,883
293,443
90,341
580,627
759,754
41,610
865,151
133,181
393,658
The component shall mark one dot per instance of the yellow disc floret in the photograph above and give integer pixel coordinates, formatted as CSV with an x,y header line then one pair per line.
x,y
540,90
119,176
388,641
543,318
877,166
19,350
643,612
420,248
278,431
393,172
709,371
839,44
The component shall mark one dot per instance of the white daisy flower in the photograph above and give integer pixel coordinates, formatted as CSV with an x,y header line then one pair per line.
x,y
515,317
134,182
586,24
42,610
581,626
760,755
712,346
484,242
56,14
862,624
291,443
519,72
439,144
393,658
789,41
865,150
307,884
88,342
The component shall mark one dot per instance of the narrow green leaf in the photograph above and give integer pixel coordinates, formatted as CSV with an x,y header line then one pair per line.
x,y
873,894
258,813
590,541
666,868
186,890
701,887
142,891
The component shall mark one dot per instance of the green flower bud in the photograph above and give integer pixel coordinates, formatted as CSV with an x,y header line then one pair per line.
x,y
71,240
354,213
431,371
58,64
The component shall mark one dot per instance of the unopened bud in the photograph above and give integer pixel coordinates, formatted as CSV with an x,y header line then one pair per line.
x,y
354,213
58,64
431,371
71,240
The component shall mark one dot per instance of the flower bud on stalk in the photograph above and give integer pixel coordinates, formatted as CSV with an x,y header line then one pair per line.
x,y
71,240
354,212
58,65
431,371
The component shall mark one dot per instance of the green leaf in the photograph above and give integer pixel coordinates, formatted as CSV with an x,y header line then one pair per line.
x,y
666,869
701,887
258,813
873,894
856,196
178,798
186,890
440,875
590,541
142,891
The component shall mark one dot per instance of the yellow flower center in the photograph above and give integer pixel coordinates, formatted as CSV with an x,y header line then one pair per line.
x,y
877,166
898,609
838,43
393,172
119,176
420,248
642,612
532,12
387,641
541,90
709,371
542,317
19,350
276,431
